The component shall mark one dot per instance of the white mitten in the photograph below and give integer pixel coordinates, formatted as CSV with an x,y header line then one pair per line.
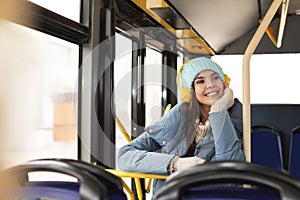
x,y
182,163
225,102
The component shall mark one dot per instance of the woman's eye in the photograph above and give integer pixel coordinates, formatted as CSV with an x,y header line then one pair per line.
x,y
215,78
199,81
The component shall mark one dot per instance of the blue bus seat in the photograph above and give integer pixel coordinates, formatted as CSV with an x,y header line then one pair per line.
x,y
266,146
87,186
229,180
234,193
294,160
70,186
112,183
43,192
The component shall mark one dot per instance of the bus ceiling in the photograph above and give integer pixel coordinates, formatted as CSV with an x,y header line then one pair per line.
x,y
220,27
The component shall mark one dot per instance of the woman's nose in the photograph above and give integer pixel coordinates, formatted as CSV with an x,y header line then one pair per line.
x,y
209,84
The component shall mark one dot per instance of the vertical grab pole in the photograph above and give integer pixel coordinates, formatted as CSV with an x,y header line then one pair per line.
x,y
284,11
246,75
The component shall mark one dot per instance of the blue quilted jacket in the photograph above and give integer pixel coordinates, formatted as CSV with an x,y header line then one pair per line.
x,y
154,149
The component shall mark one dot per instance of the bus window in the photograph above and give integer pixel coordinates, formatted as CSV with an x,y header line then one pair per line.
x,y
40,95
274,77
122,86
66,8
153,87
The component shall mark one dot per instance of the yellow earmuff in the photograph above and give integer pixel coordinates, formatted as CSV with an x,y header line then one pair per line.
x,y
227,80
184,93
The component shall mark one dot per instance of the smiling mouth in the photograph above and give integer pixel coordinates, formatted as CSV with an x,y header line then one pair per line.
x,y
211,94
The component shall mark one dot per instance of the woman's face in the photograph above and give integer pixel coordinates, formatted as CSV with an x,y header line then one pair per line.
x,y
208,87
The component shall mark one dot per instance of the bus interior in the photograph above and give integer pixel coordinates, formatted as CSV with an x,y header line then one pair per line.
x,y
82,78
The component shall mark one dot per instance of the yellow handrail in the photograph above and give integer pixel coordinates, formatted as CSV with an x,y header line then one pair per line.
x,y
284,11
123,130
128,190
137,176
168,108
126,174
270,31
246,75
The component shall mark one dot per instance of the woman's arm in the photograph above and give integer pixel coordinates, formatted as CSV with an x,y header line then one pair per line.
x,y
140,156
226,130
227,145
144,154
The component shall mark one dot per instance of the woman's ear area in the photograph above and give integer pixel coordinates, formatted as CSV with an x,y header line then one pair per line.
x,y
226,81
185,95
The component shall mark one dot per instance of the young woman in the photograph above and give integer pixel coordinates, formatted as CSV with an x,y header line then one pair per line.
x,y
205,126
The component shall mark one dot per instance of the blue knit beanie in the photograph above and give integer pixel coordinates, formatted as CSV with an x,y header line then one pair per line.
x,y
195,66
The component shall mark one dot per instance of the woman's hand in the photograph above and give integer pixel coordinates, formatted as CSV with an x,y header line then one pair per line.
x,y
182,163
225,102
